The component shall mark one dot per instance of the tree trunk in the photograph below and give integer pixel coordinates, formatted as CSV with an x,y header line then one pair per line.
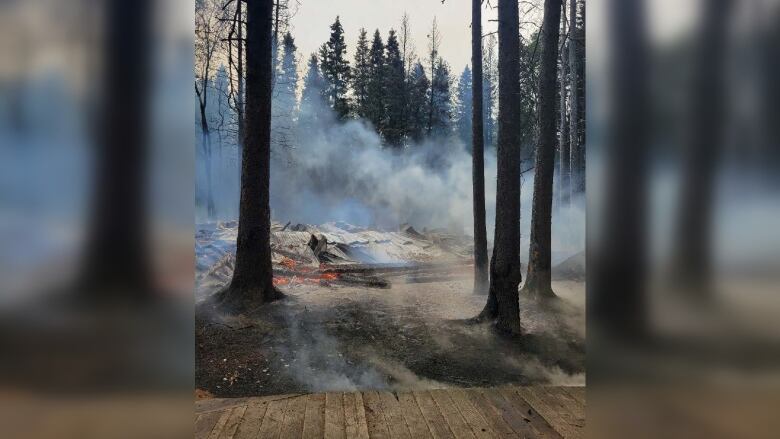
x,y
478,149
206,142
252,281
116,254
574,110
505,274
240,73
617,262
692,257
538,282
564,136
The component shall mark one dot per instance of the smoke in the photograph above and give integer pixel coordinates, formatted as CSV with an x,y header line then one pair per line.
x,y
330,170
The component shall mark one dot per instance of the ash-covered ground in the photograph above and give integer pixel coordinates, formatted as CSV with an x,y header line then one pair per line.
x,y
410,332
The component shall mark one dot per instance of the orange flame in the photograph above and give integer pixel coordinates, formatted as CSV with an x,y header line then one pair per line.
x,y
329,276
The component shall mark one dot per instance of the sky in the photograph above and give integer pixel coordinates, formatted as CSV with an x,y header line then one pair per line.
x,y
311,24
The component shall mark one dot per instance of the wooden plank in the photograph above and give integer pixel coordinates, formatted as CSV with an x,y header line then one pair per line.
x,y
375,418
479,426
540,403
253,418
334,415
223,418
542,427
395,419
314,419
292,425
205,423
274,416
577,395
458,425
520,424
574,407
430,411
355,425
565,406
413,416
490,413
237,414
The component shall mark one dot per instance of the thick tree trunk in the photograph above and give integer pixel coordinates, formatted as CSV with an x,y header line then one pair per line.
x,y
116,256
538,282
505,275
692,257
617,262
252,281
477,156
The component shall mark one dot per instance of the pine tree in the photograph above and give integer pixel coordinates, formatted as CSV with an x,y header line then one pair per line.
x,y
394,127
462,116
252,281
312,96
538,283
335,69
489,90
361,73
376,84
285,89
418,103
441,108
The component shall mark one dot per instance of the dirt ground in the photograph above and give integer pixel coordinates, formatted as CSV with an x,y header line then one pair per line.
x,y
411,336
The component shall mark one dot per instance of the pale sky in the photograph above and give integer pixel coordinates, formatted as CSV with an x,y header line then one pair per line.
x,y
311,24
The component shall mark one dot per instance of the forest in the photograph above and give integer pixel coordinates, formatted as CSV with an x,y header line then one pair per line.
x,y
346,198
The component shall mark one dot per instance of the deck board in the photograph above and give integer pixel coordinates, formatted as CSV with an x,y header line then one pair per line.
x,y
476,413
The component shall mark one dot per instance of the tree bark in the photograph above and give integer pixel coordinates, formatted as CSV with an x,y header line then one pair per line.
x,y
252,281
692,259
505,276
577,119
564,134
116,254
478,150
617,262
538,282
240,111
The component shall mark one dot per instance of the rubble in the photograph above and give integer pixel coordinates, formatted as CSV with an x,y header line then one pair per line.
x,y
337,253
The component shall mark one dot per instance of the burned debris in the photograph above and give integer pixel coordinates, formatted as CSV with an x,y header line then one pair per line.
x,y
340,254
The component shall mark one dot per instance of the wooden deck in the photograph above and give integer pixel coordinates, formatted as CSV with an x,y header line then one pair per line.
x,y
505,412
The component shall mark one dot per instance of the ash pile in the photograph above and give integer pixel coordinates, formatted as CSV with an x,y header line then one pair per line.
x,y
337,253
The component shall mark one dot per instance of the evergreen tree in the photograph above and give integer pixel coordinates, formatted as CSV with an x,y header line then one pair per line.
x,y
361,73
394,128
312,96
489,90
285,96
441,108
418,103
462,116
376,84
335,69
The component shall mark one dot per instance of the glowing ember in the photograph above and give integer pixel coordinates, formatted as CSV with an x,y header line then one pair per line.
x,y
281,281
329,276
289,263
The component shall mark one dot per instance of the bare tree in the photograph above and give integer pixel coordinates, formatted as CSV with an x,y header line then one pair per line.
x,y
407,44
434,41
538,283
477,154
564,134
209,27
252,281
577,96
505,276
